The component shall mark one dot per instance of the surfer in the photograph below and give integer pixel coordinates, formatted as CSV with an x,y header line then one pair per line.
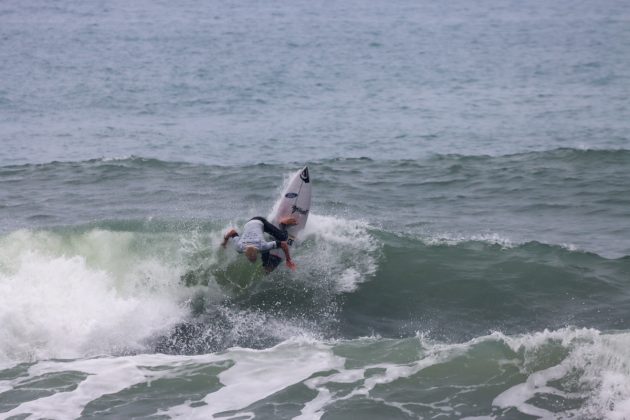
x,y
253,241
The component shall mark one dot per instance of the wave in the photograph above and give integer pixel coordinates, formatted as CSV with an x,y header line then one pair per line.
x,y
128,287
503,242
137,286
120,162
560,153
568,198
463,289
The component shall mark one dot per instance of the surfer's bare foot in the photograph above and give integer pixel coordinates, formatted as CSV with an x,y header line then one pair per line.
x,y
288,220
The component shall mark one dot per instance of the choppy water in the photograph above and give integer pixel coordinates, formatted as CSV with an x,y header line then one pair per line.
x,y
468,251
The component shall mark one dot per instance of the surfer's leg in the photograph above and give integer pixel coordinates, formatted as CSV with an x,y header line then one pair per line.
x,y
278,234
270,262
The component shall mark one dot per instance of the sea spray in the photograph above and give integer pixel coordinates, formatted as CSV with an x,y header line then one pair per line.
x,y
67,296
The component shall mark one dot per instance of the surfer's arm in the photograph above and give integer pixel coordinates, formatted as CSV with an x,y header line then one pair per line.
x,y
232,233
289,261
266,246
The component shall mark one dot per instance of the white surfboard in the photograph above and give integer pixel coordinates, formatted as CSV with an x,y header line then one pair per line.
x,y
295,201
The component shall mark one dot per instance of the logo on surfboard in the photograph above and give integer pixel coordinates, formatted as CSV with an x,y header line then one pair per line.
x,y
296,209
291,195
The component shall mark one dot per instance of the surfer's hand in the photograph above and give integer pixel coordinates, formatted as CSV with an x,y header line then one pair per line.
x,y
232,233
291,265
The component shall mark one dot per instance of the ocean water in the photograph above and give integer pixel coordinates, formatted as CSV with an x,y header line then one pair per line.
x,y
467,254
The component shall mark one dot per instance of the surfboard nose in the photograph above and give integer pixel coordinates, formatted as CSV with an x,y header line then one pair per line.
x,y
304,175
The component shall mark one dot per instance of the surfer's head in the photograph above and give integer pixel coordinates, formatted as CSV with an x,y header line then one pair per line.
x,y
251,252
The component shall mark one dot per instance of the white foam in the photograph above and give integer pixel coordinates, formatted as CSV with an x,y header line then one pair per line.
x,y
451,239
391,372
603,361
600,359
518,395
116,158
254,375
102,300
348,280
345,248
106,375
258,374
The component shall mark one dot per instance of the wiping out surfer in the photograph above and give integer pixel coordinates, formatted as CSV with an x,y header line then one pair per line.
x,y
252,241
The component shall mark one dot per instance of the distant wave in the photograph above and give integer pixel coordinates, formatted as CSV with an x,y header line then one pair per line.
x,y
120,160
493,239
562,153
565,154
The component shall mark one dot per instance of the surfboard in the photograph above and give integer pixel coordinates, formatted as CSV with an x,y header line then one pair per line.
x,y
294,201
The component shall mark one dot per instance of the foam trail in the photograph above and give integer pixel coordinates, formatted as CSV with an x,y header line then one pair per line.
x,y
258,374
518,395
107,375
